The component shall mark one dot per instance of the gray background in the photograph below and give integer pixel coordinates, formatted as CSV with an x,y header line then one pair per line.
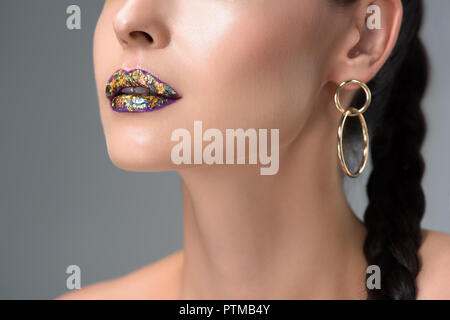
x,y
59,203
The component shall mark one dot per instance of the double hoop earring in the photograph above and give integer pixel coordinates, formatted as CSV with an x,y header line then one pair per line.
x,y
353,112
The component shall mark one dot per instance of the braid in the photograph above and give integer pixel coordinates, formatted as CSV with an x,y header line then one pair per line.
x,y
396,199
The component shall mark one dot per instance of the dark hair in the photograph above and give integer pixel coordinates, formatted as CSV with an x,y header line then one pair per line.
x,y
397,129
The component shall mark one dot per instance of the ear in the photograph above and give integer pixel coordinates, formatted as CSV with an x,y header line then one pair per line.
x,y
367,42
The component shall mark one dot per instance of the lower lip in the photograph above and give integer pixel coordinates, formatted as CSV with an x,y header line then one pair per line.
x,y
139,103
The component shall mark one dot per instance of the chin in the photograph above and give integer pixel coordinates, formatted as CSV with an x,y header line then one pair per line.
x,y
134,155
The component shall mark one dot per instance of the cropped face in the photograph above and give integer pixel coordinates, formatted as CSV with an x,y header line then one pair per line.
x,y
228,63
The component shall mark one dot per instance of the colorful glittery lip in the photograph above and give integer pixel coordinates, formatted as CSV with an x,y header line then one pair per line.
x,y
157,93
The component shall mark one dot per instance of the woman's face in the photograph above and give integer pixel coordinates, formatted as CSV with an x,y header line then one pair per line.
x,y
235,63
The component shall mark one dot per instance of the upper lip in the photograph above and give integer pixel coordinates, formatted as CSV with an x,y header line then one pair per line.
x,y
121,79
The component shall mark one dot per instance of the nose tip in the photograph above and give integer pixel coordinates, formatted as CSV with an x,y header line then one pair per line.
x,y
137,26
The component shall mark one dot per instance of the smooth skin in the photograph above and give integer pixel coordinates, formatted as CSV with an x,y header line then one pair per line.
x,y
251,64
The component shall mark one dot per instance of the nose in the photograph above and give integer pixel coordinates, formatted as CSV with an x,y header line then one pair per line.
x,y
140,23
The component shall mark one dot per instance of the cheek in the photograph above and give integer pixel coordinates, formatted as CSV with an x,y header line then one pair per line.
x,y
259,74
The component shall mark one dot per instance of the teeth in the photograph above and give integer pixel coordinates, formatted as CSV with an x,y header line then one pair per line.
x,y
135,90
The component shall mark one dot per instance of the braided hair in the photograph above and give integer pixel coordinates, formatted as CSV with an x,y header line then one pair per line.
x,y
397,129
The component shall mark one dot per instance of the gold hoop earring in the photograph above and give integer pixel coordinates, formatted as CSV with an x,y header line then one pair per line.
x,y
353,112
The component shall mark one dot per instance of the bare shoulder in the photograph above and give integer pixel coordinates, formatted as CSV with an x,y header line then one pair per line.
x,y
433,280
159,280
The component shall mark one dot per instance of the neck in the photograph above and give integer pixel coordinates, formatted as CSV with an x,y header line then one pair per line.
x,y
286,236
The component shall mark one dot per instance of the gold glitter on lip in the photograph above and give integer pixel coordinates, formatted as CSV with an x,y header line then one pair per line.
x,y
159,93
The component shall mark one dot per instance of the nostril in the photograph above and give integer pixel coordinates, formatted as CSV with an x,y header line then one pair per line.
x,y
138,34
149,37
